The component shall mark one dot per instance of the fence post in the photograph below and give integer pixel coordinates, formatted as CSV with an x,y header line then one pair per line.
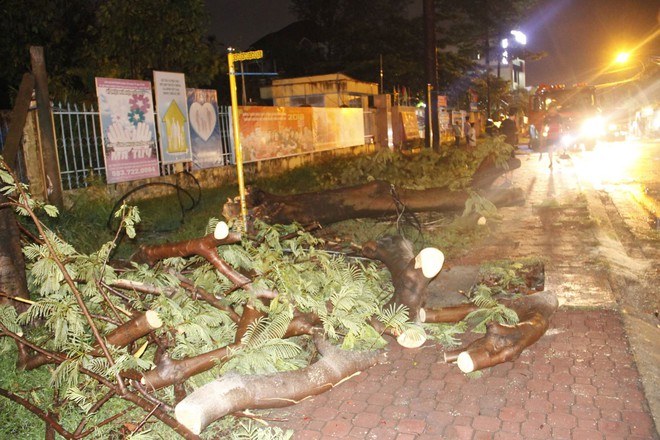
x,y
47,136
34,166
17,121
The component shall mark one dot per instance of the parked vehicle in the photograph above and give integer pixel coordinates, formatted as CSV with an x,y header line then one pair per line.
x,y
616,125
582,121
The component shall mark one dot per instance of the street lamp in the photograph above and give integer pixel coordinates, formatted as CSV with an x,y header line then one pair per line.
x,y
518,44
625,59
622,57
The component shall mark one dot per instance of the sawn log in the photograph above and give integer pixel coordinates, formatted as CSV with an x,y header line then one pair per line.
x,y
233,392
373,199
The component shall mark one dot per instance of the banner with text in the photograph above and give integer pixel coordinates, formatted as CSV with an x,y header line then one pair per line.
x,y
270,132
172,110
205,137
128,127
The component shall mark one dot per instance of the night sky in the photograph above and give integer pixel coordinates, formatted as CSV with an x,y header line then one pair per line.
x,y
580,36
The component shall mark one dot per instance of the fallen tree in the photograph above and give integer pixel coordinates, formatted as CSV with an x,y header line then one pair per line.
x,y
223,305
373,199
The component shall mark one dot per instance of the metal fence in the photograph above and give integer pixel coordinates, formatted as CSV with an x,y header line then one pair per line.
x,y
80,148
79,142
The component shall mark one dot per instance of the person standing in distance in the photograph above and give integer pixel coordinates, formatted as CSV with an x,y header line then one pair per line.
x,y
509,129
466,129
552,130
457,132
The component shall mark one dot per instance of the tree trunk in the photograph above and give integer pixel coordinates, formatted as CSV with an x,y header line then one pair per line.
x,y
233,392
373,199
504,343
411,274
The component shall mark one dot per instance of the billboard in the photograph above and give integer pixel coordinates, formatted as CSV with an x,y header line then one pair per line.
x,y
337,128
270,132
128,127
205,137
172,110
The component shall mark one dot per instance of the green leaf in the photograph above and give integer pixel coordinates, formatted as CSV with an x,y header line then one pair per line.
x,y
51,210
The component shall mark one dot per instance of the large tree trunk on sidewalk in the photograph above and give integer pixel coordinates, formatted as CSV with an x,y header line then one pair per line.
x,y
373,199
233,393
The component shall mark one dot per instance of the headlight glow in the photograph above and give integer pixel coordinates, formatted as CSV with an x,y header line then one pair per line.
x,y
593,127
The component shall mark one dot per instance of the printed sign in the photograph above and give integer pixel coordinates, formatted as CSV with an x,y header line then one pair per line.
x,y
128,127
269,132
337,128
409,124
205,137
172,109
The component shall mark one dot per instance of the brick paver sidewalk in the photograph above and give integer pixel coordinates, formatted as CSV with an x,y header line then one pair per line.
x,y
579,381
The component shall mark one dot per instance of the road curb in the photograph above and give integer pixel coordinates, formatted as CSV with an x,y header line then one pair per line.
x,y
645,349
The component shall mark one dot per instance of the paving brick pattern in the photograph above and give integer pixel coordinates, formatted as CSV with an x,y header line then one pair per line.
x,y
577,382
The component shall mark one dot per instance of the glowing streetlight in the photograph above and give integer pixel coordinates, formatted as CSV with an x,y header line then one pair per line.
x,y
622,57
520,37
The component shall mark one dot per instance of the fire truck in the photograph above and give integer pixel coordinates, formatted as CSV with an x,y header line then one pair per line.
x,y
577,106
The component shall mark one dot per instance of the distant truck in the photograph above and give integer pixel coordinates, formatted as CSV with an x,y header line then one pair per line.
x,y
582,121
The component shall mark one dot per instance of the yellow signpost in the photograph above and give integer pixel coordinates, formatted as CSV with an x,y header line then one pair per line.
x,y
231,58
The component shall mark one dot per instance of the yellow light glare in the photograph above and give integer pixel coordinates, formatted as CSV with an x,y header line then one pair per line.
x,y
609,164
622,57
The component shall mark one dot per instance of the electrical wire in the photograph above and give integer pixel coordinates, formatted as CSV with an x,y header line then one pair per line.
x,y
405,218
180,192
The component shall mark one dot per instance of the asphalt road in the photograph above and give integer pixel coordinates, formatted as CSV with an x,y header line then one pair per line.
x,y
630,168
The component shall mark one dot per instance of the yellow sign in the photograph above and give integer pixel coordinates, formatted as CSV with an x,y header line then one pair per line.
x,y
253,55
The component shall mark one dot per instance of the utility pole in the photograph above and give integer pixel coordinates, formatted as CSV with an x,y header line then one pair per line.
x,y
432,129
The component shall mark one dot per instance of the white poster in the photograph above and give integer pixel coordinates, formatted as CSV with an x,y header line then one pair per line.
x,y
172,111
128,127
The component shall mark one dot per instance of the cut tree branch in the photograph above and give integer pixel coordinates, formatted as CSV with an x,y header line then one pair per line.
x,y
205,247
234,392
123,335
175,371
151,254
504,343
411,274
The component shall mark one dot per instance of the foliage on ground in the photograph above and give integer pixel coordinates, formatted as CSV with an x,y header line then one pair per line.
x,y
307,278
452,167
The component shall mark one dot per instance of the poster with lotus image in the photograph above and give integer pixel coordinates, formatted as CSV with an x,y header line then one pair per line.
x,y
127,121
205,136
